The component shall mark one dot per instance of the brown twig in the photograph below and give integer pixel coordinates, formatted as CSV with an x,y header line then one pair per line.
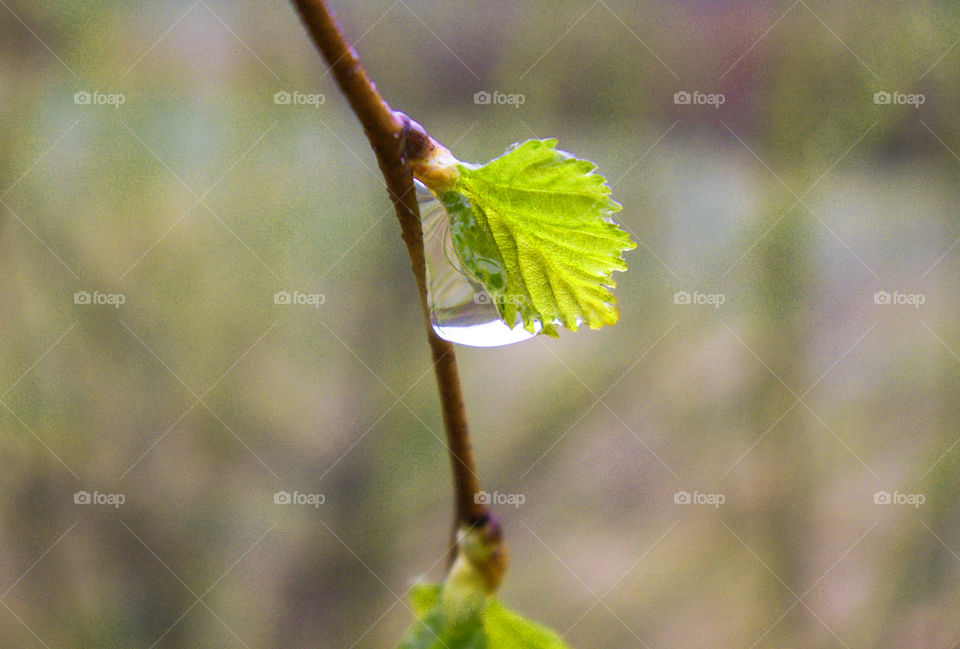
x,y
384,129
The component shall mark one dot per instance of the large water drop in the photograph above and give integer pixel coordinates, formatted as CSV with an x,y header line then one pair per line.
x,y
461,310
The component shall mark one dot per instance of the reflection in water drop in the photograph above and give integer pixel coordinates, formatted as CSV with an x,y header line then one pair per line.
x,y
461,310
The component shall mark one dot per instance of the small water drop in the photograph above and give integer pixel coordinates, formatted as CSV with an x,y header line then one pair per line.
x,y
461,310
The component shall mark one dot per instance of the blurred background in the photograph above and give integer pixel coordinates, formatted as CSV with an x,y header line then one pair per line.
x,y
764,452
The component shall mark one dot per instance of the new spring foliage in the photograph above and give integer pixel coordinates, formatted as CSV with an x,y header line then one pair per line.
x,y
535,227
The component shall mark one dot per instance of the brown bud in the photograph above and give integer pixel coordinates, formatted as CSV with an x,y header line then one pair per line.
x,y
430,162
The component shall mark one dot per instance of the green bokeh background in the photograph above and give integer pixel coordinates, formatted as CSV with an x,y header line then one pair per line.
x,y
197,199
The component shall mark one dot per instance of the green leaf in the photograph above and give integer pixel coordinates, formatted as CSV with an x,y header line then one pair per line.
x,y
436,631
508,630
495,627
436,628
423,596
534,227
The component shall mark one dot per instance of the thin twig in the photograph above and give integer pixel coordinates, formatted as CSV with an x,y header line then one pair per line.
x,y
384,129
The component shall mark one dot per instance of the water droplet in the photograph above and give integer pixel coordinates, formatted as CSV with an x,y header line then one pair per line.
x,y
461,310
